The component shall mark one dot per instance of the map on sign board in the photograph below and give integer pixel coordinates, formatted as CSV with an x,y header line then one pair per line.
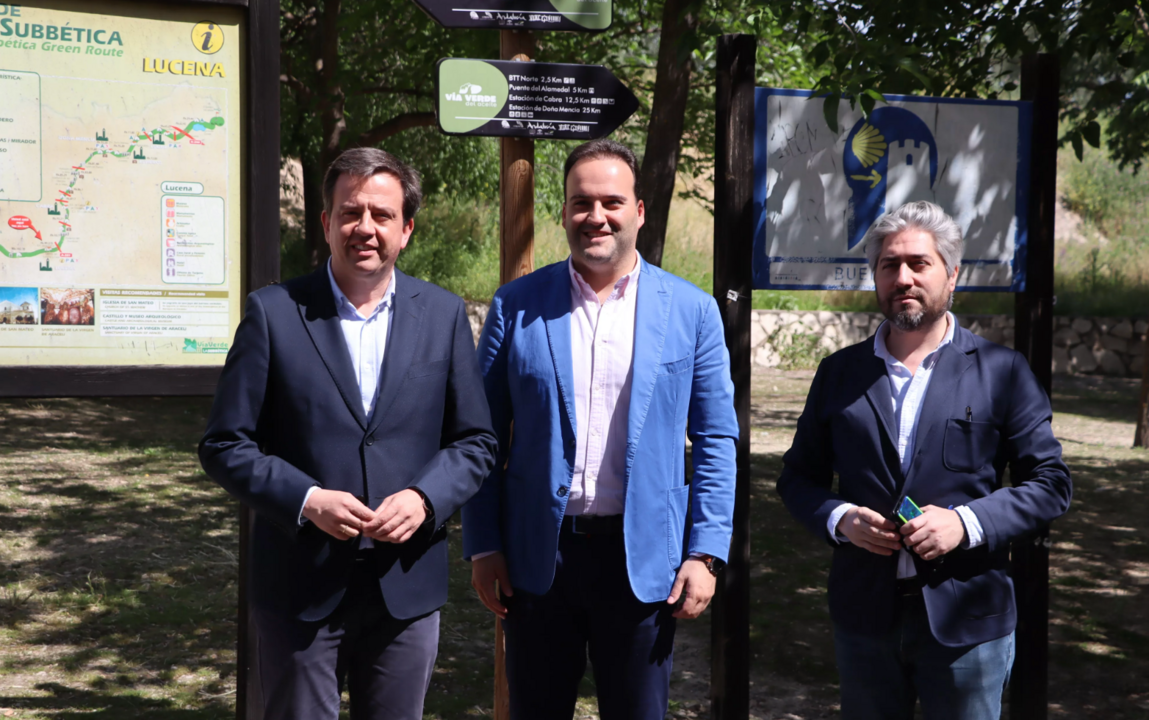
x,y
119,185
817,191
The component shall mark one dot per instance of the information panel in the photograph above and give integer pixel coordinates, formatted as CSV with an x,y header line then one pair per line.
x,y
556,101
120,183
817,191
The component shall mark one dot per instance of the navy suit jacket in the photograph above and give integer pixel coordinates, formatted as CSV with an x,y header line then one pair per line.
x,y
288,417
847,429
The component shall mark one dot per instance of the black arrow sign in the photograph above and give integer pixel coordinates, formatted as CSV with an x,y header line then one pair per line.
x,y
497,98
579,15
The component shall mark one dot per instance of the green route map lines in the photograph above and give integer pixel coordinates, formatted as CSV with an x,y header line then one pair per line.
x,y
157,136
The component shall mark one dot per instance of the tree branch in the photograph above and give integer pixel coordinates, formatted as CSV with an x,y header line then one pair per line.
x,y
394,126
1142,22
388,90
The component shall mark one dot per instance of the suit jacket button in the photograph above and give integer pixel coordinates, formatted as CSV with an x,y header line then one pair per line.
x,y
563,491
370,439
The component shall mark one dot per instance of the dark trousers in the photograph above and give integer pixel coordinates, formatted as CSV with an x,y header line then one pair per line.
x,y
882,676
589,606
385,662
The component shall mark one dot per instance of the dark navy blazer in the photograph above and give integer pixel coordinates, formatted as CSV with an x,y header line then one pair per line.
x,y
847,429
288,416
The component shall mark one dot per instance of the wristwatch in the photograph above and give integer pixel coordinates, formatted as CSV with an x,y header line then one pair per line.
x,y
712,563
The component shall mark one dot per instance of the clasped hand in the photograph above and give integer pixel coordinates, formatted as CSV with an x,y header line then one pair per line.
x,y
342,516
936,532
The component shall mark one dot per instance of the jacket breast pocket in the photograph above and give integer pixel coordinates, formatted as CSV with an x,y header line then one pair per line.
x,y
676,366
969,446
435,367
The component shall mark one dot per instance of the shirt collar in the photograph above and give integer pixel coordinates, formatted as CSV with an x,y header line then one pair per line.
x,y
884,330
624,283
348,311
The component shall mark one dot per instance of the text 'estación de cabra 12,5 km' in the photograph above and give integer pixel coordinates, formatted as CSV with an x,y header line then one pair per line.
x,y
120,184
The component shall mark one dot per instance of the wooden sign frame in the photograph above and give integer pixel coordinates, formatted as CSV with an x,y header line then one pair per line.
x,y
259,222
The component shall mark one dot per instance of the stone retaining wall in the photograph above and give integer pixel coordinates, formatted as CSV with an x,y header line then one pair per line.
x,y
1107,346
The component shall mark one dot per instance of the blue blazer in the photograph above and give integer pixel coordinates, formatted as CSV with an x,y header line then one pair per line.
x,y
847,429
288,416
680,386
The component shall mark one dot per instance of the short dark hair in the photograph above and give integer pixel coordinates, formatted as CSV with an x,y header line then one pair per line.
x,y
363,162
598,150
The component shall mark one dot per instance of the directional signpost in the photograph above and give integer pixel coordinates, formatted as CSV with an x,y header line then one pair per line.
x,y
583,15
530,100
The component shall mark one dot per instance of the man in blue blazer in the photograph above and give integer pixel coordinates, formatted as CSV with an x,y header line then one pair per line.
x,y
597,369
350,416
928,411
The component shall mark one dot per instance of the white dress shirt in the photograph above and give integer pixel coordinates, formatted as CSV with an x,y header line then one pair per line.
x,y
907,390
602,354
366,338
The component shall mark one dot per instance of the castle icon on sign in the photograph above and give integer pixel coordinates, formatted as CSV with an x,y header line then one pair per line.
x,y
891,158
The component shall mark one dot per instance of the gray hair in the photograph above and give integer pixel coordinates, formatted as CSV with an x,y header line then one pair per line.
x,y
924,216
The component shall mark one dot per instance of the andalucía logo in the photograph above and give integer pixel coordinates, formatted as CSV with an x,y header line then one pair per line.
x,y
890,159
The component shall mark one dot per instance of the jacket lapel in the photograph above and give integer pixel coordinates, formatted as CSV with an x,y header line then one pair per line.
x,y
403,338
558,321
877,383
651,319
941,397
321,320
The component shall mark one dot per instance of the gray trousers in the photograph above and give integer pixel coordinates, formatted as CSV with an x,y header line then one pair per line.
x,y
386,663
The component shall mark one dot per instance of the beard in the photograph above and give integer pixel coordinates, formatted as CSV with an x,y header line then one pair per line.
x,y
932,310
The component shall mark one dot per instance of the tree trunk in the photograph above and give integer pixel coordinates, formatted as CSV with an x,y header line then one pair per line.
x,y
664,136
318,252
1141,437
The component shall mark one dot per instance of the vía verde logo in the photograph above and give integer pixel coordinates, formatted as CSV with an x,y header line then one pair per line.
x,y
192,345
472,93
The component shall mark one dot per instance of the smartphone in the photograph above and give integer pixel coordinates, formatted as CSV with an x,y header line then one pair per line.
x,y
905,511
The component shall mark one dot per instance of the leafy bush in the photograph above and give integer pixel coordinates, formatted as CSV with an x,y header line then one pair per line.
x,y
455,245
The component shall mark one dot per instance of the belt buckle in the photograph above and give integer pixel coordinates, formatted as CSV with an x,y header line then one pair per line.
x,y
574,526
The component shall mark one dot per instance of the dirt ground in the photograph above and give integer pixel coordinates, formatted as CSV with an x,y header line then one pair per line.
x,y
118,571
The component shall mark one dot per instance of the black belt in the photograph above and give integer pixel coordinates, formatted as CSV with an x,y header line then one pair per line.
x,y
910,587
592,524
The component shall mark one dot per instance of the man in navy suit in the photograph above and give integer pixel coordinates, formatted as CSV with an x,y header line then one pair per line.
x,y
351,417
926,410
579,539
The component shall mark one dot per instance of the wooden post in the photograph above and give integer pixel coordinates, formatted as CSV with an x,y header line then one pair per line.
x,y
261,136
516,258
733,282
1040,79
1141,434
516,179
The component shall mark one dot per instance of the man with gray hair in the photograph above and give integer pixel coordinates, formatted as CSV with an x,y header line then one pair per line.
x,y
919,423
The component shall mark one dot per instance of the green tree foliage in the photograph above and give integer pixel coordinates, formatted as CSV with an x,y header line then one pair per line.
x,y
361,73
970,48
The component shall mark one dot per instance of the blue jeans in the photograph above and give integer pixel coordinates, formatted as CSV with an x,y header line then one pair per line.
x,y
883,675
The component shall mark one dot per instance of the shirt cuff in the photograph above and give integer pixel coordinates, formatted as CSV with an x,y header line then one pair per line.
x,y
974,533
480,556
835,518
302,520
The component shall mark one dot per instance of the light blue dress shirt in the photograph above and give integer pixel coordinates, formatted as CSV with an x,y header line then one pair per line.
x,y
366,338
908,390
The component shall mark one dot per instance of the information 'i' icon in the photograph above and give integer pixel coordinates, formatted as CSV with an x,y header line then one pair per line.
x,y
207,37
